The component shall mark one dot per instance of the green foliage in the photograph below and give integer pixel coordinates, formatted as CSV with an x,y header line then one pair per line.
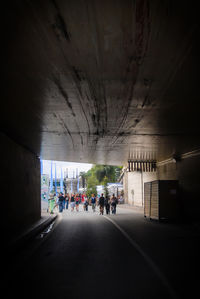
x,y
111,172
100,175
92,182
105,184
83,177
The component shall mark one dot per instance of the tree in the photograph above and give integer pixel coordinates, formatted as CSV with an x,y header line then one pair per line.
x,y
100,174
105,184
111,172
83,178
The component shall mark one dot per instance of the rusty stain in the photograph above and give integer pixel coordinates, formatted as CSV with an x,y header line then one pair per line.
x,y
67,129
110,89
94,118
64,94
147,101
142,29
79,74
60,23
80,97
81,139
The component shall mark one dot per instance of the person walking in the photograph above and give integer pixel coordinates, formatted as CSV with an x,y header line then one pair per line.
x,y
51,203
83,198
56,201
77,201
63,202
85,204
93,202
60,201
114,204
72,202
79,198
67,200
107,204
101,204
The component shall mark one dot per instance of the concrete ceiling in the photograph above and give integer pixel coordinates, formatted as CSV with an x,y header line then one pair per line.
x,y
101,81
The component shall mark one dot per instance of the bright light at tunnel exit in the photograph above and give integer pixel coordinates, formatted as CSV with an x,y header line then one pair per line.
x,y
71,167
53,174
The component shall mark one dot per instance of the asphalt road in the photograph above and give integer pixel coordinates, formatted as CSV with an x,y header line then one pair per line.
x,y
87,255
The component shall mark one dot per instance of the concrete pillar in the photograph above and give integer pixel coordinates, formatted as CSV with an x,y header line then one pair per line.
x,y
20,183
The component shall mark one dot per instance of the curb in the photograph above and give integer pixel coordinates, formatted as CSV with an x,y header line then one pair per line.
x,y
28,235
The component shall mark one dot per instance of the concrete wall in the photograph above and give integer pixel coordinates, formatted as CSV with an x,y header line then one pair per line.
x,y
187,173
134,186
20,187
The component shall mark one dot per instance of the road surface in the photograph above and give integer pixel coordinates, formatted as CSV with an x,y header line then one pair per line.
x,y
86,255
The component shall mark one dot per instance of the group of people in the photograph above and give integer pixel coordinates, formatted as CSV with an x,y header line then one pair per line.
x,y
63,201
109,203
74,200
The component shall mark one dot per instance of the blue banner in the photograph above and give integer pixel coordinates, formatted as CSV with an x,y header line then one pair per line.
x,y
77,180
51,178
61,181
55,180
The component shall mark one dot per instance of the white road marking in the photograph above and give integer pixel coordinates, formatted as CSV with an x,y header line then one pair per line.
x,y
149,261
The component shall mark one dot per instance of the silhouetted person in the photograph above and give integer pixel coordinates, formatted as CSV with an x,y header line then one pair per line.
x,y
93,202
60,201
72,202
86,204
101,204
114,202
107,205
51,203
77,201
67,200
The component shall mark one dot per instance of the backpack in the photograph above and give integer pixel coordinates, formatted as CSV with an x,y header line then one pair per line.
x,y
93,199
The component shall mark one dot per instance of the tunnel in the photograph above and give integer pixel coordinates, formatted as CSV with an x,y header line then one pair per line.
x,y
101,82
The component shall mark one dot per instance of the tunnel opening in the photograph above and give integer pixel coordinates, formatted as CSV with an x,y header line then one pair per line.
x,y
60,177
79,182
101,82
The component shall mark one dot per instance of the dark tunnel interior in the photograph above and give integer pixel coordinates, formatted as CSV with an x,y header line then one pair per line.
x,y
110,83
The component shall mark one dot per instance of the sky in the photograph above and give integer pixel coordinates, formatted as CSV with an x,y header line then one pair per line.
x,y
63,165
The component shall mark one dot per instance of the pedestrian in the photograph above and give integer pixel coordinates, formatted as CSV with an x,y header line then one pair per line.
x,y
72,202
56,201
101,204
77,201
51,203
60,201
114,204
63,202
79,198
93,202
107,204
85,204
83,198
67,200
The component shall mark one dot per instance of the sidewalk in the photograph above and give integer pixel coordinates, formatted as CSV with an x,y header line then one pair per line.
x,y
128,206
